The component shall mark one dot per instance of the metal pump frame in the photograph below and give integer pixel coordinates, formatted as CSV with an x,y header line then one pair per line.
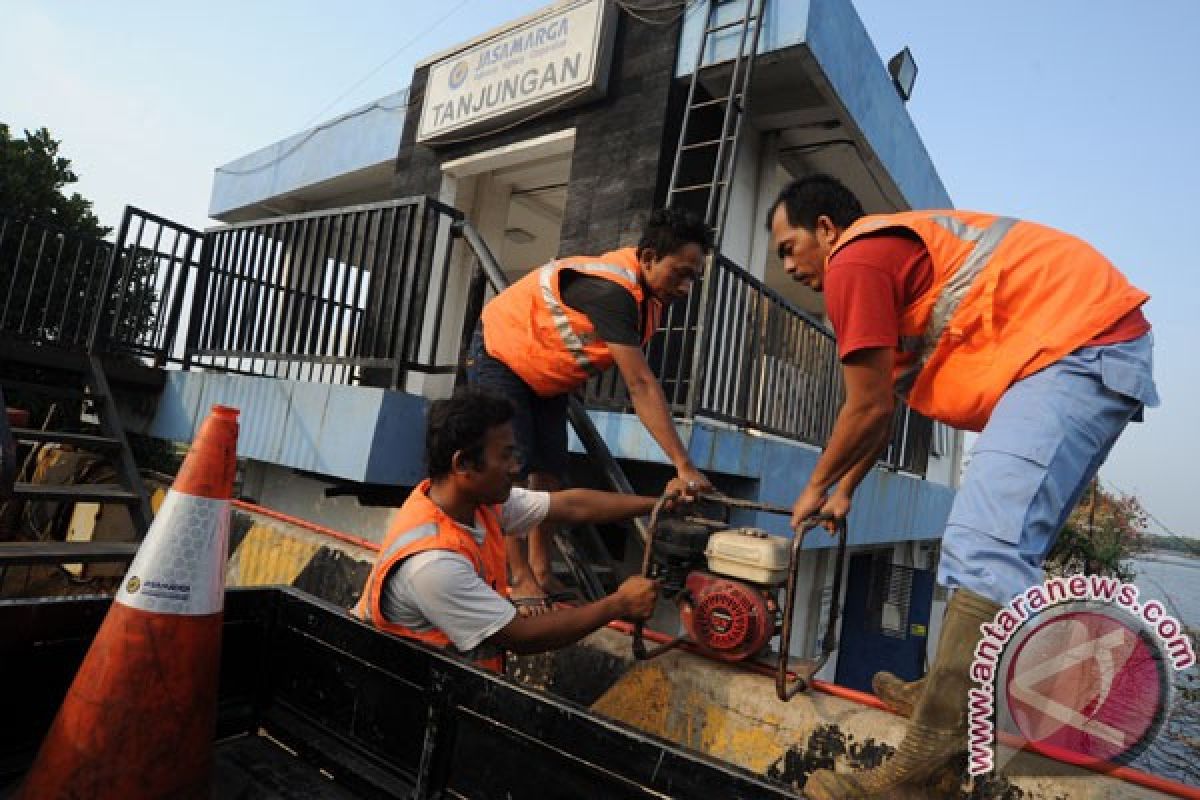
x,y
804,669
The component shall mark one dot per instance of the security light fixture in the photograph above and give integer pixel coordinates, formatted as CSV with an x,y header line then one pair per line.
x,y
903,70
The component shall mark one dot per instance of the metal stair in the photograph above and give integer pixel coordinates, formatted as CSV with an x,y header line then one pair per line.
x,y
81,377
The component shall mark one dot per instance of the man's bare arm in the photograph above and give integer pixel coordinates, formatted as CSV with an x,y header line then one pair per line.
x,y
635,599
651,406
581,506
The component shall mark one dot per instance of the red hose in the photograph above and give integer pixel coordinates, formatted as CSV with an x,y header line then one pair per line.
x,y
303,523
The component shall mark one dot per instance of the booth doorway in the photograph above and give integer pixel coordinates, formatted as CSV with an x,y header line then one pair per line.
x,y
515,196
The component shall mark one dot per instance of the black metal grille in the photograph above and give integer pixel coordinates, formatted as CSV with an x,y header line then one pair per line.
x,y
336,296
889,598
53,282
909,445
150,278
357,295
768,365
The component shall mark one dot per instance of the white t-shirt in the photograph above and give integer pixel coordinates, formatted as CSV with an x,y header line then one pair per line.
x,y
441,589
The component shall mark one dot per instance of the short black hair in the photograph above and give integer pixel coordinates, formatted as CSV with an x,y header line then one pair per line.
x,y
669,230
461,422
815,195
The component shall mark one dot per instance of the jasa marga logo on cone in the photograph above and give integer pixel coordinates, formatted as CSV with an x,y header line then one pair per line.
x,y
1078,669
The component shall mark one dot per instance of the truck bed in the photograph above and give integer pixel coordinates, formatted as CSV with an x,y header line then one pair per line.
x,y
255,766
314,704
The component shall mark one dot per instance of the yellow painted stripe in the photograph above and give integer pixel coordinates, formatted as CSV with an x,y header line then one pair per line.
x,y
268,555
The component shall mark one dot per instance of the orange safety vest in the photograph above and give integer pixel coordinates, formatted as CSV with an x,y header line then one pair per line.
x,y
1008,298
420,525
548,344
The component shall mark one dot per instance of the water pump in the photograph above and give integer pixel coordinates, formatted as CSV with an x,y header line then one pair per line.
x,y
734,588
726,584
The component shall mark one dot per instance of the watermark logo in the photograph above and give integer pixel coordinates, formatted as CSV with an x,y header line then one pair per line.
x,y
1077,669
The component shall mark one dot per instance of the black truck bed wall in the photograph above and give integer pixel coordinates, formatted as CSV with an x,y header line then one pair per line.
x,y
382,716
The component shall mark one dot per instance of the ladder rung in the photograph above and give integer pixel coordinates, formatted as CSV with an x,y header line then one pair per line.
x,y
85,440
709,143
697,186
726,25
81,493
712,102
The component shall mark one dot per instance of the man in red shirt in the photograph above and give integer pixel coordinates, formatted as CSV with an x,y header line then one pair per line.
x,y
987,323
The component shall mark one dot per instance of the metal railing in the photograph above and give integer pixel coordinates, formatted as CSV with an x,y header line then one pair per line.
x,y
149,278
338,296
358,294
769,366
909,446
766,365
53,282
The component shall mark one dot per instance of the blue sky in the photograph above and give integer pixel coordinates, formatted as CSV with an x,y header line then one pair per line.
x,y
1082,114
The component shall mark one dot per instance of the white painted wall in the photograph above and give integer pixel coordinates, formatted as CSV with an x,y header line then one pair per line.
x,y
356,143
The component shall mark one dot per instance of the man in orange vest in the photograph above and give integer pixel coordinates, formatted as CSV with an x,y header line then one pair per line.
x,y
985,323
547,334
440,576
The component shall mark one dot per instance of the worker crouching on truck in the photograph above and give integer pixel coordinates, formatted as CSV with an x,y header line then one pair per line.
x,y
985,323
441,577
547,334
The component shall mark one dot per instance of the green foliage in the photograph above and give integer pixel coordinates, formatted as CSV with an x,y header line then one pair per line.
x,y
1101,534
32,178
53,257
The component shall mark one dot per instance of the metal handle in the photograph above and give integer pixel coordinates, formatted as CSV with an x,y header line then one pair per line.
x,y
640,651
805,670
749,505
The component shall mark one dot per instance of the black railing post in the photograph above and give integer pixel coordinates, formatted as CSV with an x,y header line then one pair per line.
x,y
191,339
409,335
94,342
447,259
128,271
704,322
175,309
475,295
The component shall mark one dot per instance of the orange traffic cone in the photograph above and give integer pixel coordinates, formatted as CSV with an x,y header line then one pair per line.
x,y
140,717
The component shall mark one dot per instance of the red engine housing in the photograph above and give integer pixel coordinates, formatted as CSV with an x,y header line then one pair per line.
x,y
728,619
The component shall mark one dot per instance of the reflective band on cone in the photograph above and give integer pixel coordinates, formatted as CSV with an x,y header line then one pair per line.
x,y
140,717
173,571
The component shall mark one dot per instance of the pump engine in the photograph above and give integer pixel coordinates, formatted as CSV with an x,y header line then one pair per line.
x,y
726,584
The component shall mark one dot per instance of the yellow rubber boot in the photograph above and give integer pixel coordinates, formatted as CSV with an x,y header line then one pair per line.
x,y
900,695
938,731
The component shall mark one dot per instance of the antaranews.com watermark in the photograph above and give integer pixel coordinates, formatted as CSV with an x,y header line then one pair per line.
x,y
1077,663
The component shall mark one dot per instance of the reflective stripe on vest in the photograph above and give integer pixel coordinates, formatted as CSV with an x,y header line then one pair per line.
x,y
573,342
955,289
402,541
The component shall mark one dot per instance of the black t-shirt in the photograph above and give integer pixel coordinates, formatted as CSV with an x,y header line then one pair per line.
x,y
611,308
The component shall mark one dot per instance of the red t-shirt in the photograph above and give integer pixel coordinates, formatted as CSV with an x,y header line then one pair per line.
x,y
869,282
